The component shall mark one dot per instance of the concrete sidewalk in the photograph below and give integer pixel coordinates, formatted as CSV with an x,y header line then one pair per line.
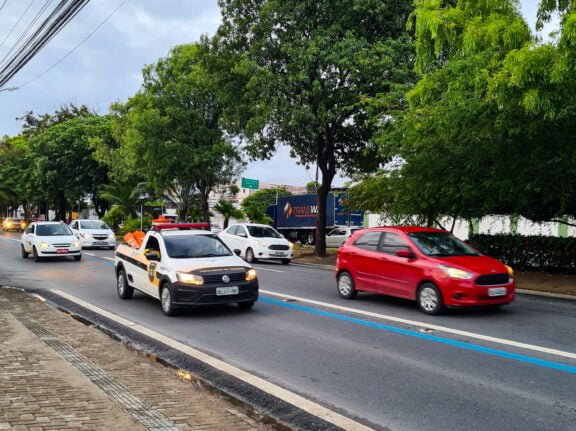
x,y
59,374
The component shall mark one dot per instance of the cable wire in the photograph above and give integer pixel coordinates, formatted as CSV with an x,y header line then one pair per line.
x,y
17,22
76,47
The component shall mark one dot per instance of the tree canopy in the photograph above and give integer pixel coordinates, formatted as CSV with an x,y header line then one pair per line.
x,y
310,70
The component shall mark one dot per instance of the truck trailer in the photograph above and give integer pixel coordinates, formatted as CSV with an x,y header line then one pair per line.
x,y
295,216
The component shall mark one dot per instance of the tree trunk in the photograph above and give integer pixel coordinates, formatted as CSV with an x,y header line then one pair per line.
x,y
204,192
226,220
327,165
61,206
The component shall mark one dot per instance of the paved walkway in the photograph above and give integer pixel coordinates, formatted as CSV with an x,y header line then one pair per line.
x,y
58,374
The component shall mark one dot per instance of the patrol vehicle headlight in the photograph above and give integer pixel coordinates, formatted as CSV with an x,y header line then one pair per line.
x,y
44,244
290,244
251,274
262,243
77,244
86,235
187,278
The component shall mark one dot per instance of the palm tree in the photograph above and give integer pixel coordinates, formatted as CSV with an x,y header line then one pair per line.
x,y
126,197
228,211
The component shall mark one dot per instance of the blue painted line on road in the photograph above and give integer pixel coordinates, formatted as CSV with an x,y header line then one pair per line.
x,y
434,338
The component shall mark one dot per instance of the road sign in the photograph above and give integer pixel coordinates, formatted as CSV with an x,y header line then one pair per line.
x,y
248,183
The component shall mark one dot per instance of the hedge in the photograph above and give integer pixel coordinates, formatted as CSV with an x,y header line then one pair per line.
x,y
536,253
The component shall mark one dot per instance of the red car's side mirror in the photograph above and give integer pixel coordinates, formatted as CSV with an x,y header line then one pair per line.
x,y
405,253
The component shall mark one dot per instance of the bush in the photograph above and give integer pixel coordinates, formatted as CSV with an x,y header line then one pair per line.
x,y
540,253
134,224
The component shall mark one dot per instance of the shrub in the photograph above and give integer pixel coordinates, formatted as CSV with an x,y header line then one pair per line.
x,y
540,253
134,224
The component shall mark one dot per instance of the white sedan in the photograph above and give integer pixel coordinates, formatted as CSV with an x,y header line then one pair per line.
x,y
257,241
336,237
50,239
94,233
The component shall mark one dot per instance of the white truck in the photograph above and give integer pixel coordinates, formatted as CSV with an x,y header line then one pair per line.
x,y
182,266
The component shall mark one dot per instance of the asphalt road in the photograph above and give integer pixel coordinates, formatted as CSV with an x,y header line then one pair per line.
x,y
378,360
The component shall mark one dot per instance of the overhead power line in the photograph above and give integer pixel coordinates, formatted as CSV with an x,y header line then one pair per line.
x,y
62,14
17,22
76,47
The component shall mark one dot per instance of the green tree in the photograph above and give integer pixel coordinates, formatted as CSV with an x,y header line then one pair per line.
x,y
228,211
171,133
15,173
310,69
255,205
312,187
64,166
472,142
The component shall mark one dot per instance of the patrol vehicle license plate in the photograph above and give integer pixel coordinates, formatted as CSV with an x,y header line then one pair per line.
x,y
497,291
230,290
62,251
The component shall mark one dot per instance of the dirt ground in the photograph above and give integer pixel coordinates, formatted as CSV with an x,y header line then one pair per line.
x,y
539,281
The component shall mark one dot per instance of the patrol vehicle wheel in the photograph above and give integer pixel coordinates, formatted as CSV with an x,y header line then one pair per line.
x,y
167,301
124,290
24,252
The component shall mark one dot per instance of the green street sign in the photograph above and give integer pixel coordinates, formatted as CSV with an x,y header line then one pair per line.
x,y
248,183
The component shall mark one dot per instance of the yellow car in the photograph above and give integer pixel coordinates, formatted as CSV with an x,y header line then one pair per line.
x,y
13,224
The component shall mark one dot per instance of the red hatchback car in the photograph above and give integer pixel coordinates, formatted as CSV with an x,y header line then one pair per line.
x,y
428,265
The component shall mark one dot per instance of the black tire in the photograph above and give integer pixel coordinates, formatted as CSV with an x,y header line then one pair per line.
x,y
111,248
25,254
250,256
78,258
125,291
311,238
286,261
246,305
430,299
345,286
167,300
35,254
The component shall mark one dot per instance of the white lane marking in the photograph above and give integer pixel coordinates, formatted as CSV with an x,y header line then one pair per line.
x,y
316,266
107,258
274,390
10,239
89,254
427,326
268,269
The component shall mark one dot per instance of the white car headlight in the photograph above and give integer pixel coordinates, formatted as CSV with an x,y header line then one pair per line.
x,y
187,278
455,272
112,236
77,244
86,235
44,244
262,243
290,244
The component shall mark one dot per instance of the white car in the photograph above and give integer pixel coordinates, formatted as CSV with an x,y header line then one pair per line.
x,y
94,233
336,237
257,241
50,239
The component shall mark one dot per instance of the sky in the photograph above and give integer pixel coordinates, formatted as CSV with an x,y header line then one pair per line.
x,y
107,66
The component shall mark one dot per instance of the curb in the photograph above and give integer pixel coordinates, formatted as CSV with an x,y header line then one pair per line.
x,y
546,294
521,291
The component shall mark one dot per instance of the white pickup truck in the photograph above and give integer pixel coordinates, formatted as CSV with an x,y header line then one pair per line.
x,y
183,266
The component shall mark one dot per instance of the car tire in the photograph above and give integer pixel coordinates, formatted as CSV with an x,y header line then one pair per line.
x,y
430,299
35,254
111,248
125,291
311,238
78,258
25,254
246,305
167,300
286,261
250,255
346,287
